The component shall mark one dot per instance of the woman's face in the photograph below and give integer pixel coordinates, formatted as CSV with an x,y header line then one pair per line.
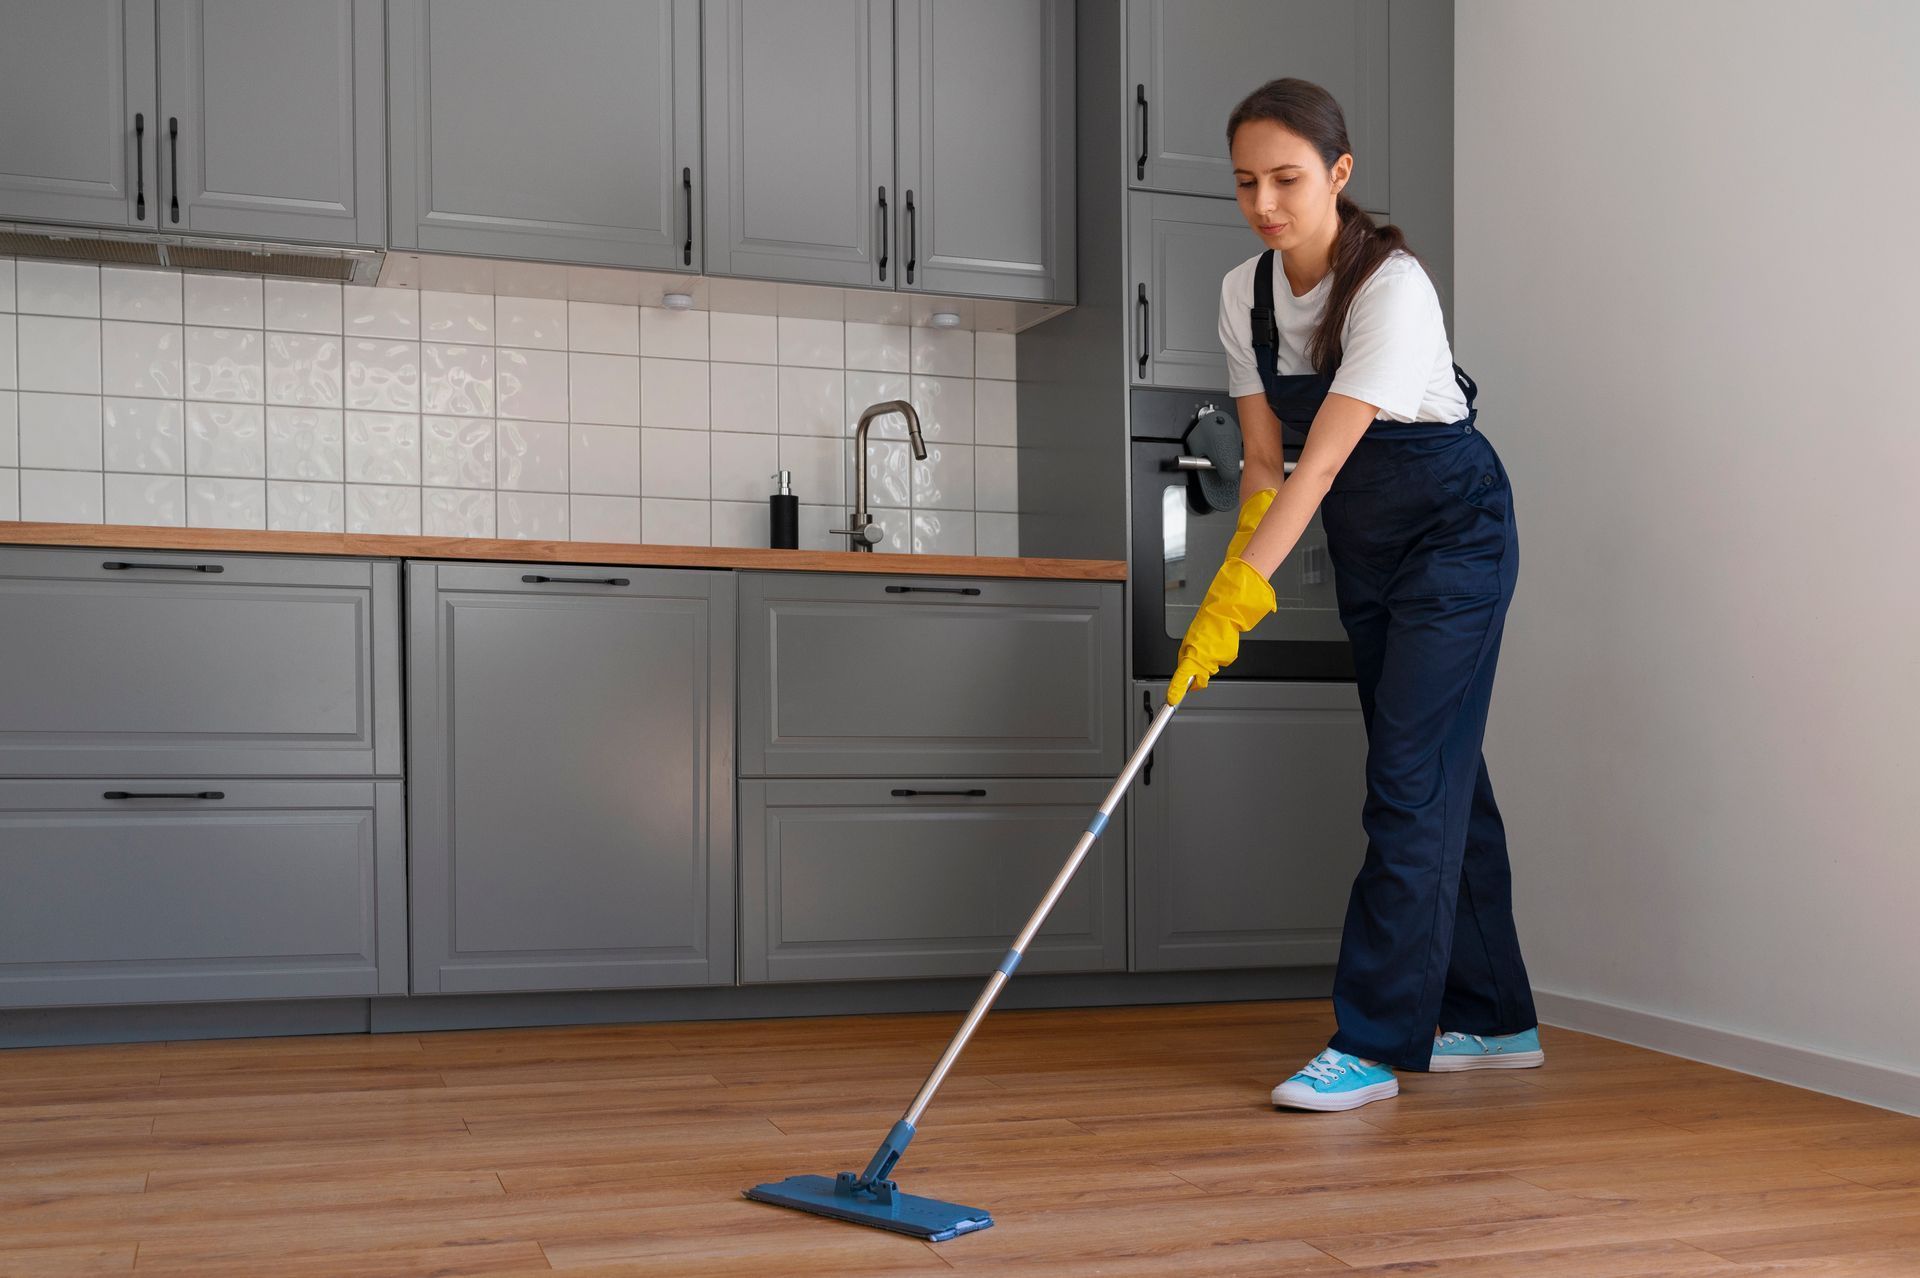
x,y
1286,192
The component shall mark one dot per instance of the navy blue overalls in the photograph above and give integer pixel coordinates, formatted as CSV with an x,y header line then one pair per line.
x,y
1420,529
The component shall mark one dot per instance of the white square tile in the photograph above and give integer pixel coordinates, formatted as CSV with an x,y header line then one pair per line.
x,y
158,500
7,294
536,323
383,376
226,439
306,444
226,363
604,389
380,312
738,523
743,466
603,328
944,481
532,456
226,503
144,435
815,525
744,397
226,301
457,318
58,288
457,512
55,354
61,497
531,384
996,479
676,463
605,519
456,381
743,339
536,516
812,343
9,368
995,419
665,521
946,408
605,460
880,348
378,508
819,464
866,389
303,369
673,393
9,428
889,473
457,452
943,532
298,506
993,355
9,489
673,334
60,432
304,306
813,401
382,448
896,524
942,352
996,534
140,293
141,359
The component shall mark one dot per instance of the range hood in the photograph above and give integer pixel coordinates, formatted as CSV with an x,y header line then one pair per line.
x,y
190,252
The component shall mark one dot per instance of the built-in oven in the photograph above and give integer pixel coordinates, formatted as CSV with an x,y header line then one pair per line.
x,y
1178,543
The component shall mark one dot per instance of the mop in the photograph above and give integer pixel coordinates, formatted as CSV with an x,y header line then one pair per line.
x,y
871,1198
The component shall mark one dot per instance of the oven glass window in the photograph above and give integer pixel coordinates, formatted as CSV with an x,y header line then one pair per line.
x,y
1193,547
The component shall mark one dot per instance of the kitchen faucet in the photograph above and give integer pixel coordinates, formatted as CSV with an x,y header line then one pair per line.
x,y
862,529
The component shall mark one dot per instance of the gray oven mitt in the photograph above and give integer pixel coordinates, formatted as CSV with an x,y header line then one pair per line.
x,y
1216,437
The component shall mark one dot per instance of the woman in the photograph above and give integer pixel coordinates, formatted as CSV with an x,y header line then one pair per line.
x,y
1336,330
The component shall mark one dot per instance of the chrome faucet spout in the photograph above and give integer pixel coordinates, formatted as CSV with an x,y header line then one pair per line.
x,y
861,527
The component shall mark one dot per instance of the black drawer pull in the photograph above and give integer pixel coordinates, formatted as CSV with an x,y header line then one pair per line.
x,y
1146,772
164,794
686,250
139,166
173,149
883,235
1146,328
913,237
933,590
1140,99
121,564
579,581
965,794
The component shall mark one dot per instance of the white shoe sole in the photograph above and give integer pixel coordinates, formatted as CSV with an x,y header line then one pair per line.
x,y
1508,1060
1327,1103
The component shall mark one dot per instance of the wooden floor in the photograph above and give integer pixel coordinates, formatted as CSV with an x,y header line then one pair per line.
x,y
1134,1141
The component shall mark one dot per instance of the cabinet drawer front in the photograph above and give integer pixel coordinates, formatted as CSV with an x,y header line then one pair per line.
x,y
886,676
264,667
849,880
275,889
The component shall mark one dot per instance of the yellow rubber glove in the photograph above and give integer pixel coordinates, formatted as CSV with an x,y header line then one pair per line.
x,y
1252,511
1236,601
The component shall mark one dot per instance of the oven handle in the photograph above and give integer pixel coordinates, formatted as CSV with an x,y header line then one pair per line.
x,y
1184,462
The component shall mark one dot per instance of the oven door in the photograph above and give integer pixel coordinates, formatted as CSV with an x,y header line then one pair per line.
x,y
1176,551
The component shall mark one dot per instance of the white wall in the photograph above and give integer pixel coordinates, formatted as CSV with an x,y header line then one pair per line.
x,y
1687,282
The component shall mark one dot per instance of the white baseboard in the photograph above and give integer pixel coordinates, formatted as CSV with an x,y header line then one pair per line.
x,y
1880,1085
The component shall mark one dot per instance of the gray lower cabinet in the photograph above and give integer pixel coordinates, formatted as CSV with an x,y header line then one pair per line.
x,y
201,888
1246,828
885,676
551,132
570,777
888,878
162,663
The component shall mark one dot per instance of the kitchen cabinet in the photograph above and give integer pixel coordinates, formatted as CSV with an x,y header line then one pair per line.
x,y
570,754
1246,825
565,133
1178,249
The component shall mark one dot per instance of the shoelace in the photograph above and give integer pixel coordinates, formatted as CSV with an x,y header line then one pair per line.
x,y
1324,1068
1451,1037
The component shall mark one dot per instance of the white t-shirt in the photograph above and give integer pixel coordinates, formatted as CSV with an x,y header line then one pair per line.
x,y
1394,351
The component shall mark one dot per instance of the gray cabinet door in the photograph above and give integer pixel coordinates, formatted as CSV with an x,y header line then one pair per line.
x,y
928,676
986,147
273,889
571,777
77,95
799,141
880,879
273,118
1179,248
1246,831
553,132
152,663
1189,62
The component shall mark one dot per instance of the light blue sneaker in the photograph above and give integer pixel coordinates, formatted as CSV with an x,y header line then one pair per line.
x,y
1334,1080
1453,1052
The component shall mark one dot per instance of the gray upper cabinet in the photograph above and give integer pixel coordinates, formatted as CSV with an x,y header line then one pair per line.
x,y
986,147
1189,62
273,119
1179,247
799,140
570,777
77,93
553,132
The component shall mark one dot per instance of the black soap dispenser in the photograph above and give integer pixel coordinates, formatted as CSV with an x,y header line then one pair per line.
x,y
783,514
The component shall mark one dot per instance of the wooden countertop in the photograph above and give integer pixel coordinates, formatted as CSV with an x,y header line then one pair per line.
x,y
373,546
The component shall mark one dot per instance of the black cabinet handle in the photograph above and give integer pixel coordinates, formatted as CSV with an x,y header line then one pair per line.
x,y
883,233
1145,328
913,236
164,794
1146,769
139,166
933,590
578,581
686,250
965,794
118,565
1140,98
173,144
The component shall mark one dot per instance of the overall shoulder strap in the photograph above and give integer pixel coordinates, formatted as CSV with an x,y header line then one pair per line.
x,y
1265,328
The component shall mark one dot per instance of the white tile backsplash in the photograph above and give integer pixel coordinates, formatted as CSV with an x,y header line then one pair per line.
x,y
214,400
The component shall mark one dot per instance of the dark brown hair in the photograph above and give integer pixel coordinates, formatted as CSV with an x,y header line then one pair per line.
x,y
1305,108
